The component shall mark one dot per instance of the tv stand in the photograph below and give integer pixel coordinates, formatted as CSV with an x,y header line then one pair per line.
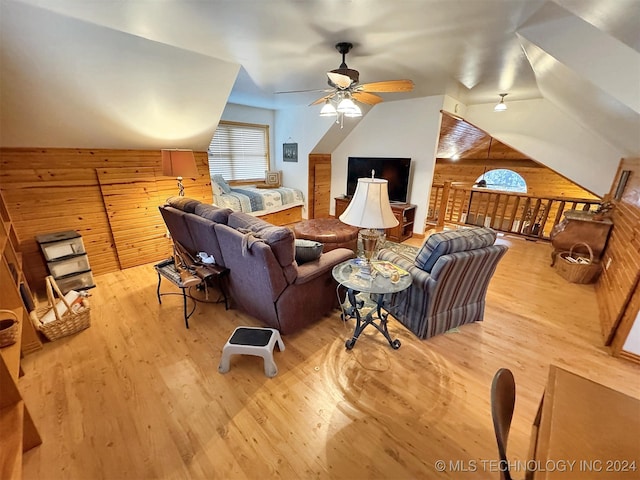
x,y
405,213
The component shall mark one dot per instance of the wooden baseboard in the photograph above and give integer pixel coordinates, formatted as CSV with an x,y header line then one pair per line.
x,y
628,356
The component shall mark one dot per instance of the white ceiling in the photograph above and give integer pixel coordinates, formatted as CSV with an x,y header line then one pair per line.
x,y
469,49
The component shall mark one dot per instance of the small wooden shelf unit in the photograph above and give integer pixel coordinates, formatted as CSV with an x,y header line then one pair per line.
x,y
405,213
18,432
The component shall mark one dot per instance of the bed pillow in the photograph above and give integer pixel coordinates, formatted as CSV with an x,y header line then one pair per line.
x,y
307,250
221,182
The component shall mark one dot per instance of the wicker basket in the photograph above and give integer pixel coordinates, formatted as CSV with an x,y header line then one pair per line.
x,y
74,319
574,272
8,328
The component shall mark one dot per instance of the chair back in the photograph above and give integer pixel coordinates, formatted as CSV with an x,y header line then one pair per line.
x,y
503,399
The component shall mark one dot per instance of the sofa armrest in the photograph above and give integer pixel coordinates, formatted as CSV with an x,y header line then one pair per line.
x,y
310,270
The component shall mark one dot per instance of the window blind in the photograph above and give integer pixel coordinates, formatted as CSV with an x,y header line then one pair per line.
x,y
239,151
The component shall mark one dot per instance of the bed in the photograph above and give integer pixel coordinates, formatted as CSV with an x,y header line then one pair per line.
x,y
281,205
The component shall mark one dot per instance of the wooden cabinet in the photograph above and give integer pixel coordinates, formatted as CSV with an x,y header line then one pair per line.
x,y
576,227
18,430
405,213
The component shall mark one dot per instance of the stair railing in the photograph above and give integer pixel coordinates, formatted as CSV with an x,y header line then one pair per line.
x,y
509,212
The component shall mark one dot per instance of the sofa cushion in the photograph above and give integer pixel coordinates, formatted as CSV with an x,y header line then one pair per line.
x,y
213,213
239,220
280,239
185,204
307,250
453,241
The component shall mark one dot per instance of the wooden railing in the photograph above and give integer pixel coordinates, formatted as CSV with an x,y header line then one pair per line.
x,y
514,213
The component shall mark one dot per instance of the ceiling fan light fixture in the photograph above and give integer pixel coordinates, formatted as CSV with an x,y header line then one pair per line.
x,y
354,112
501,106
347,105
328,110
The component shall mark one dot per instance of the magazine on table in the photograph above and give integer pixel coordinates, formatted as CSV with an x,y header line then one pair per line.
x,y
387,269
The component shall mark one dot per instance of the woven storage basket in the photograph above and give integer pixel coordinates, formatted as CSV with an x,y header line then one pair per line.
x,y
8,328
73,320
578,272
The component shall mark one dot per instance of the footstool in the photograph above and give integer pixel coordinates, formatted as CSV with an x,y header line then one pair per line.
x,y
252,341
329,231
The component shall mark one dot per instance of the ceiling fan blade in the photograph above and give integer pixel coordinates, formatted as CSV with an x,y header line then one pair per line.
x,y
368,98
387,86
322,99
305,91
341,81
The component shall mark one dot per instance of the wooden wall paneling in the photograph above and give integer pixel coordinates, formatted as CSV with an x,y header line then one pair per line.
x,y
132,198
541,181
319,185
59,190
44,201
621,259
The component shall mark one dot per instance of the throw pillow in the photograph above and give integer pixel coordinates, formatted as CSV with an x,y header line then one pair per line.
x,y
273,178
307,250
221,182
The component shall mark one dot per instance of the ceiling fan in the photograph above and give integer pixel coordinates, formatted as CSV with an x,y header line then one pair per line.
x,y
345,87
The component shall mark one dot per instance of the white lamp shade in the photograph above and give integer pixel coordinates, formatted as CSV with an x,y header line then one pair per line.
x,y
500,107
179,163
346,105
328,110
355,112
369,207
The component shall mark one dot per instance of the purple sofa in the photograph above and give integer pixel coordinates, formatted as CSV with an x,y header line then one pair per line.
x,y
264,280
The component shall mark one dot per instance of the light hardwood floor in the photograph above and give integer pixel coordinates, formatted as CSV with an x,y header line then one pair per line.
x,y
138,396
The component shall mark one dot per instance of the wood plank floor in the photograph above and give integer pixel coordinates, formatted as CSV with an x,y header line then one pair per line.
x,y
137,396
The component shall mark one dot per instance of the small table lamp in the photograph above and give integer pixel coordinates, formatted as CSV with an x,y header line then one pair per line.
x,y
370,209
179,163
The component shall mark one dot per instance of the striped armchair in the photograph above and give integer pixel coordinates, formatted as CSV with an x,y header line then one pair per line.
x,y
450,274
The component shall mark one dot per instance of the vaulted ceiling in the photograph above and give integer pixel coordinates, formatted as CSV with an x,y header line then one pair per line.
x,y
134,74
460,139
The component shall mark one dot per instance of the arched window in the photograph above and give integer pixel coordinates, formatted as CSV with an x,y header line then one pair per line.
x,y
503,179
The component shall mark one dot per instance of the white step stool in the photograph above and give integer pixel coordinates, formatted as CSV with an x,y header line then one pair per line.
x,y
252,341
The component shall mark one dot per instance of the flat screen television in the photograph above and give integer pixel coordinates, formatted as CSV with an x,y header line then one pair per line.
x,y
394,170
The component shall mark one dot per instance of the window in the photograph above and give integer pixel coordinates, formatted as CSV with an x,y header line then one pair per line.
x,y
503,179
239,151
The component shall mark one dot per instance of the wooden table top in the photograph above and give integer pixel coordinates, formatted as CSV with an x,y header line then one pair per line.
x,y
587,430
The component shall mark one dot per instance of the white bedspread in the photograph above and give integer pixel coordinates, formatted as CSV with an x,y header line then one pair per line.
x,y
259,200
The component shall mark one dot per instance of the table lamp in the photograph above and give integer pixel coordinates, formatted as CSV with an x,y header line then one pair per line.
x,y
179,163
370,209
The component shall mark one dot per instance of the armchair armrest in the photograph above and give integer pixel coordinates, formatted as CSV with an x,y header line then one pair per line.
x,y
403,262
310,270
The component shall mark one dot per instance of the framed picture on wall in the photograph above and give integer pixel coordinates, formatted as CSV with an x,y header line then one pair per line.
x,y
290,152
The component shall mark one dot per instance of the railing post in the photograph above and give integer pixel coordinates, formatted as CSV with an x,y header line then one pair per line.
x,y
444,202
